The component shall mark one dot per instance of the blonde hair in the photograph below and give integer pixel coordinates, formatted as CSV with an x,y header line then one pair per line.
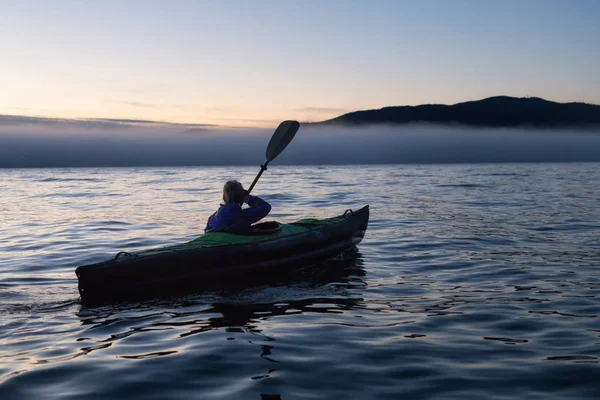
x,y
233,192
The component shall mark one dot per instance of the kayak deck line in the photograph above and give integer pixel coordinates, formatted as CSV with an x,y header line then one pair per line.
x,y
217,258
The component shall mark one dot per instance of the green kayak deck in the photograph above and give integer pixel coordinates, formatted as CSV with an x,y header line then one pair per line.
x,y
216,239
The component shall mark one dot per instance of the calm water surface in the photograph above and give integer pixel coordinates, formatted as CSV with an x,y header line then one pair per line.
x,y
473,281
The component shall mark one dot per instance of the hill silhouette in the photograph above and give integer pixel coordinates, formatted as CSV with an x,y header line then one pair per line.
x,y
500,111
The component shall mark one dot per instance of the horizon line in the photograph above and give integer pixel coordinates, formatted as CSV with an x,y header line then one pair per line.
x,y
24,118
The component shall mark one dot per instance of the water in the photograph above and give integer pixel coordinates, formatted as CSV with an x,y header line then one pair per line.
x,y
477,281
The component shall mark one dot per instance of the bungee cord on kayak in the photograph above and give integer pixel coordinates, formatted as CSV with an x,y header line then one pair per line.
x,y
124,253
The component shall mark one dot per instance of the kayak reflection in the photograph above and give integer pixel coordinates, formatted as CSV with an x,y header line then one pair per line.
x,y
335,286
166,327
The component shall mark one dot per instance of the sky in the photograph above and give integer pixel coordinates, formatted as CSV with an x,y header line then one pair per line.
x,y
256,63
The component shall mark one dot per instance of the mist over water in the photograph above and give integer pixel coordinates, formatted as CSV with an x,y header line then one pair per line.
x,y
114,143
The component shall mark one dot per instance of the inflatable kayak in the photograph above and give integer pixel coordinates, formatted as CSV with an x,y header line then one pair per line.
x,y
216,258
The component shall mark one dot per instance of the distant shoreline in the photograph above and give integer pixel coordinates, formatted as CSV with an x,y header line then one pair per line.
x,y
492,112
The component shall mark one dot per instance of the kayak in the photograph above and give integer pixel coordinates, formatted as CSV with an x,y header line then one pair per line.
x,y
216,258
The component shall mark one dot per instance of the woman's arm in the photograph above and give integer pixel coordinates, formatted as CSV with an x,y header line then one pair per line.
x,y
258,209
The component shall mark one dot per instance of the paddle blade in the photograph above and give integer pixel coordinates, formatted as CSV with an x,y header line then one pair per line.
x,y
281,138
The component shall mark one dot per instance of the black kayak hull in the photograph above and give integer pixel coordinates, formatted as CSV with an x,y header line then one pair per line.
x,y
164,274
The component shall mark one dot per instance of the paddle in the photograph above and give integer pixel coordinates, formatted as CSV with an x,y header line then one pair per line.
x,y
281,138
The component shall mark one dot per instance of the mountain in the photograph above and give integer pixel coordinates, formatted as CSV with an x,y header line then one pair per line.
x,y
500,111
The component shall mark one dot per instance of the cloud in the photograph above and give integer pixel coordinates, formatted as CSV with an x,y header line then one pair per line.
x,y
138,104
26,120
91,123
201,125
19,108
195,131
148,88
121,121
141,104
222,110
322,110
250,121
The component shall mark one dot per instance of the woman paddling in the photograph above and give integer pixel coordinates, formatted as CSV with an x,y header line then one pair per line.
x,y
230,217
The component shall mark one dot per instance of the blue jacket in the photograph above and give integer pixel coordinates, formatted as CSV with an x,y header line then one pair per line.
x,y
232,218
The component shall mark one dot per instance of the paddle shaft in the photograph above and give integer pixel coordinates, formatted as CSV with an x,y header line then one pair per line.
x,y
263,168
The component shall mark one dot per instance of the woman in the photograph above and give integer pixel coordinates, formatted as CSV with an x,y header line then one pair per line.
x,y
230,217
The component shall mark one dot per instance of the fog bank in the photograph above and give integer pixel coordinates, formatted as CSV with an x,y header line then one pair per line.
x,y
147,143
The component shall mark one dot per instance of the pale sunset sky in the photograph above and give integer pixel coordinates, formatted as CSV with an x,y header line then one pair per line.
x,y
255,63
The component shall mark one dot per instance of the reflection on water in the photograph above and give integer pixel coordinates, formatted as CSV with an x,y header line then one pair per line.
x,y
473,281
319,288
